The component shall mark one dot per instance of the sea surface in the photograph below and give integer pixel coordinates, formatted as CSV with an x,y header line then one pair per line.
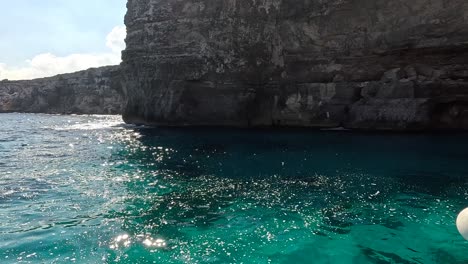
x,y
89,189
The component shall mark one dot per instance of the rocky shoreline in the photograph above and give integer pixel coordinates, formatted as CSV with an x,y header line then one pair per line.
x,y
93,91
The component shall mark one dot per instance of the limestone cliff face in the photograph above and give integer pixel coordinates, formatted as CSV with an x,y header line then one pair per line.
x,y
94,91
363,64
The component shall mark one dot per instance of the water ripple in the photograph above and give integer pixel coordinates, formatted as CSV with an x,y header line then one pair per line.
x,y
88,189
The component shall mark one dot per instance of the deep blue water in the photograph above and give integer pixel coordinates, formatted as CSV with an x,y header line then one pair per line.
x,y
89,189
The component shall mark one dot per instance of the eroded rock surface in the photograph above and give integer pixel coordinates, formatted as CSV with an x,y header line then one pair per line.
x,y
362,64
93,91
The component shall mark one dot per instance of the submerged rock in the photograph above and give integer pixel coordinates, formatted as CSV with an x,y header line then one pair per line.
x,y
93,91
381,64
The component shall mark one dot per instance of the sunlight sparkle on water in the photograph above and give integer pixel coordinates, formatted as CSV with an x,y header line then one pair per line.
x,y
154,243
121,241
124,194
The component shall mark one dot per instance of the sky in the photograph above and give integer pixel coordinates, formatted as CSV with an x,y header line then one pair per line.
x,y
40,38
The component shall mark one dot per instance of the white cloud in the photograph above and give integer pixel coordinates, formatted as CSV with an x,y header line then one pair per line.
x,y
48,64
116,39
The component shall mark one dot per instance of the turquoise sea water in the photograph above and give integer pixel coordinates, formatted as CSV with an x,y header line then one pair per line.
x,y
77,189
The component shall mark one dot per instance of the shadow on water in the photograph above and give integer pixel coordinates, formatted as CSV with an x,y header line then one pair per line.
x,y
423,160
203,183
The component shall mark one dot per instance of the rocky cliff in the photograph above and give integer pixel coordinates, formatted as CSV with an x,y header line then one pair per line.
x,y
362,64
93,91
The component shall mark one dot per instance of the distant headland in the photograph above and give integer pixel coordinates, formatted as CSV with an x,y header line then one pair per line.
x,y
93,91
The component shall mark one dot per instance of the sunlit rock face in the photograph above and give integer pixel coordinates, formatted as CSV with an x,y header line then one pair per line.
x,y
361,64
93,91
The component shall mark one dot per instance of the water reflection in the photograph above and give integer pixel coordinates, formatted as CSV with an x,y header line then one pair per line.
x,y
129,195
121,241
154,243
225,195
